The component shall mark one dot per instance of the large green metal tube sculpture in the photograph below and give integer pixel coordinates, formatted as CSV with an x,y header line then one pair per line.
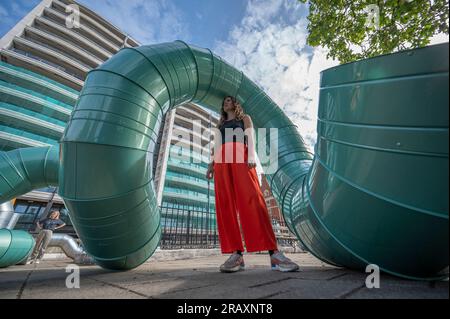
x,y
15,246
21,171
374,192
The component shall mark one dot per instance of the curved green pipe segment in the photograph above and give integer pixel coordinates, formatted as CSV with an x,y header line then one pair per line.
x,y
375,192
15,246
21,171
25,169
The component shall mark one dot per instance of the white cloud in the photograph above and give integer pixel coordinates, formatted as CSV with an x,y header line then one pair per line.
x,y
439,38
146,21
269,46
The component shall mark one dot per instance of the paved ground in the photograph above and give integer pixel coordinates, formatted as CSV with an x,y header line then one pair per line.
x,y
199,278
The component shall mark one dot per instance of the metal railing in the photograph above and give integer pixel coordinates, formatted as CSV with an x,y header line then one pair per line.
x,y
188,228
183,226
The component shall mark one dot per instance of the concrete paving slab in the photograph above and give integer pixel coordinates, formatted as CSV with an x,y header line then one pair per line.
x,y
199,278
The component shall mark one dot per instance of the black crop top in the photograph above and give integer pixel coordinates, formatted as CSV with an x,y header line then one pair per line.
x,y
233,123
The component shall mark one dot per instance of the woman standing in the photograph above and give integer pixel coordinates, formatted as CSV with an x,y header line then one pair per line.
x,y
237,190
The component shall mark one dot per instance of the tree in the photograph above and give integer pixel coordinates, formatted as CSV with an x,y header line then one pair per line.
x,y
357,29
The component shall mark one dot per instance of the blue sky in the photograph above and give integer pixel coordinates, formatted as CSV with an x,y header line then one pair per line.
x,y
266,39
201,22
12,11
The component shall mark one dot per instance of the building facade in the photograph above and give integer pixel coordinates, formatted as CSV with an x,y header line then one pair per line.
x,y
185,195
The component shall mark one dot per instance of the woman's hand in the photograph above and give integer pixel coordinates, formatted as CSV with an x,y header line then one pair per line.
x,y
251,162
250,149
210,172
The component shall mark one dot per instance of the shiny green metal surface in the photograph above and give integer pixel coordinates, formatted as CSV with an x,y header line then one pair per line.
x,y
376,190
15,246
373,194
25,169
379,183
21,171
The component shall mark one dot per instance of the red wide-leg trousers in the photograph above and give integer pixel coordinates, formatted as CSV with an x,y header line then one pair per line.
x,y
238,193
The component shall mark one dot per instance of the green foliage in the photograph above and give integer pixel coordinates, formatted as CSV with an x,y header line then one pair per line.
x,y
341,26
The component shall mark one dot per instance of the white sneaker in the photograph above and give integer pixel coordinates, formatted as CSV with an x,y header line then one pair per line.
x,y
234,263
280,262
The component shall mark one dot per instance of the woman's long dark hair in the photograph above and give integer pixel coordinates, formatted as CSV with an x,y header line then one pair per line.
x,y
238,111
